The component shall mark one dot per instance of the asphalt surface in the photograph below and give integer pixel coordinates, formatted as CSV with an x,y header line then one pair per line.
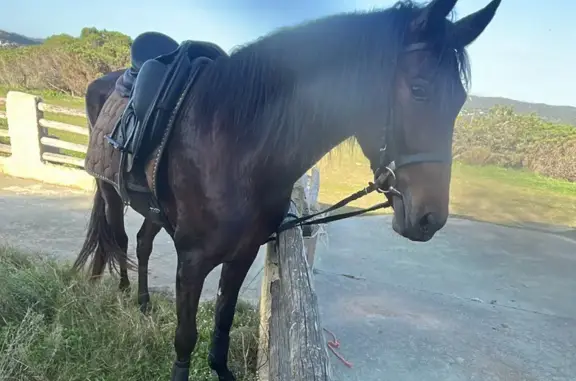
x,y
478,302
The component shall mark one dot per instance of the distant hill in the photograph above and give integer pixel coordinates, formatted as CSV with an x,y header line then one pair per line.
x,y
8,39
561,114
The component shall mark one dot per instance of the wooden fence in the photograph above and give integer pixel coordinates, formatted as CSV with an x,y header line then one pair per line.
x,y
34,146
44,130
292,345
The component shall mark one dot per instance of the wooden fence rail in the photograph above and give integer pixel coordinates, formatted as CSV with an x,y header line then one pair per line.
x,y
292,345
63,126
60,110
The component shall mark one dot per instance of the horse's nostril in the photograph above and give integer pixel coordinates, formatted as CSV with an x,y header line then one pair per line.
x,y
427,221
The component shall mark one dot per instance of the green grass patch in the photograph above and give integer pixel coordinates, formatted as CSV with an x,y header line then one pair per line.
x,y
56,326
51,97
491,194
519,177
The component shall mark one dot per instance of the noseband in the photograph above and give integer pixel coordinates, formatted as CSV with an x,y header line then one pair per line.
x,y
384,176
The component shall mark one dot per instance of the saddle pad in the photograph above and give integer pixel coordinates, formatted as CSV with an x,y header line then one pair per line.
x,y
102,160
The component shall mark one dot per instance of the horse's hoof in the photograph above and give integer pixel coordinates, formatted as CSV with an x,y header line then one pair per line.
x,y
124,288
225,375
145,308
179,373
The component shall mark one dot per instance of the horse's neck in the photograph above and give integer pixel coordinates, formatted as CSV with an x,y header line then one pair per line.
x,y
306,133
291,106
310,120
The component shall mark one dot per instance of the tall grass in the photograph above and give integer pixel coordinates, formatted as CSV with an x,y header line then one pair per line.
x,y
54,326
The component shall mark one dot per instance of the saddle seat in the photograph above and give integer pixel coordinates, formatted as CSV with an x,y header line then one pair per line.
x,y
150,45
146,46
160,75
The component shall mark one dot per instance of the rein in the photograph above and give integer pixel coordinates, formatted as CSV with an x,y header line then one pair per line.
x,y
372,186
384,175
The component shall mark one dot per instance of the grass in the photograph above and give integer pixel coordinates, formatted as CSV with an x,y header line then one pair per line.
x,y
488,193
491,194
55,326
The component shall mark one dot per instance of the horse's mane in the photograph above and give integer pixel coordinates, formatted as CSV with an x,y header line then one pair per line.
x,y
234,90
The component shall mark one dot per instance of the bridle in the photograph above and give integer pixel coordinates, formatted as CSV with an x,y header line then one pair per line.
x,y
384,176
391,159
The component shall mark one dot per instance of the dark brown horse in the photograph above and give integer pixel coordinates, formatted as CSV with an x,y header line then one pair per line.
x,y
256,120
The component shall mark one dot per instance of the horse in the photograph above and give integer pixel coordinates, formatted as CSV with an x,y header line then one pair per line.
x,y
248,124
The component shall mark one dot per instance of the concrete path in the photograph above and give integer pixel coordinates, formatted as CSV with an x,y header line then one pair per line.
x,y
478,302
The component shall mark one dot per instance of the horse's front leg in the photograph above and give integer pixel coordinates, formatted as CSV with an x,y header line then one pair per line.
x,y
193,267
231,279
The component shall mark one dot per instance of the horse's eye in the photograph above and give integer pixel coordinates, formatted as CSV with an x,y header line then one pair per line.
x,y
419,92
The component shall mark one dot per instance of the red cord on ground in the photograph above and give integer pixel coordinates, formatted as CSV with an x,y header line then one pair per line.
x,y
333,344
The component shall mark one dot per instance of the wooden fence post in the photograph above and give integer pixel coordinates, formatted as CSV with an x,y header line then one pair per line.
x,y
312,190
270,279
292,345
23,116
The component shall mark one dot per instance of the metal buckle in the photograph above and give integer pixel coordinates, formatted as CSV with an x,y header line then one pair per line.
x,y
384,178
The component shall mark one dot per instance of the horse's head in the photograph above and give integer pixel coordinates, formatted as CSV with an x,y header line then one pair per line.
x,y
427,95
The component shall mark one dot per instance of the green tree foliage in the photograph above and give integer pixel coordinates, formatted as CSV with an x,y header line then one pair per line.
x,y
64,63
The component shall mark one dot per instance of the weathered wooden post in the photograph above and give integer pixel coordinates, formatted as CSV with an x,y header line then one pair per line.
x,y
311,238
292,345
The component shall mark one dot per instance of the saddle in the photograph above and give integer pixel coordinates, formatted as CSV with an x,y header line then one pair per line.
x,y
161,74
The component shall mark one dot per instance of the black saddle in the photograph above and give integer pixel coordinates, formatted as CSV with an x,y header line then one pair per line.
x,y
156,89
154,95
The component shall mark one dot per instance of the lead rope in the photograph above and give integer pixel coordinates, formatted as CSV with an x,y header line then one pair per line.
x,y
308,219
305,220
335,344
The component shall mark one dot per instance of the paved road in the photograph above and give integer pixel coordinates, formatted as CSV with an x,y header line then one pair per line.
x,y
478,302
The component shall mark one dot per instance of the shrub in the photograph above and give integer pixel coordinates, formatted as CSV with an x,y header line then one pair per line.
x,y
501,137
64,63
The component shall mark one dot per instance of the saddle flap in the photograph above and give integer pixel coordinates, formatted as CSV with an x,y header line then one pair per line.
x,y
146,87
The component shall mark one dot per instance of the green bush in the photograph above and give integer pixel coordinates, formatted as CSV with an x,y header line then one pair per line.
x,y
501,137
64,63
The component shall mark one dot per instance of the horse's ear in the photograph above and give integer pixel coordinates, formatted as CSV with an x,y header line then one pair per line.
x,y
436,11
467,29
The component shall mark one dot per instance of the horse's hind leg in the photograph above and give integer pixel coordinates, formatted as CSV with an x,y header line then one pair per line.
x,y
114,212
145,240
231,279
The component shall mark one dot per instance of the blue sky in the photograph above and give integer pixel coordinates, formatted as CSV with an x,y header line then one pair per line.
x,y
527,53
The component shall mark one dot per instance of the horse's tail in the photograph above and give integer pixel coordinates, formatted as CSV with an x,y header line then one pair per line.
x,y
99,242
